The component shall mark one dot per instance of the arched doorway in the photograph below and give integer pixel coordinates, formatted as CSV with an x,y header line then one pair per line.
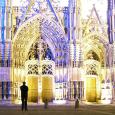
x,y
95,56
32,31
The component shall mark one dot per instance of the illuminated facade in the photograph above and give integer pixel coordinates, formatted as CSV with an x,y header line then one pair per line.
x,y
111,36
59,54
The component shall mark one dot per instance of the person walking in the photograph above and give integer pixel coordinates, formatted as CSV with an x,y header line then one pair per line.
x,y
24,96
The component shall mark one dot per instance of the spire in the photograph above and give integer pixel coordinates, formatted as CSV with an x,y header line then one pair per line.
x,y
95,16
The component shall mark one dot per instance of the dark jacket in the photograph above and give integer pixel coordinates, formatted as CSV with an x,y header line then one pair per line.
x,y
76,103
24,92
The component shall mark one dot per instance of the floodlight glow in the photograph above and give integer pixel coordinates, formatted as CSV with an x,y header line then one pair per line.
x,y
60,102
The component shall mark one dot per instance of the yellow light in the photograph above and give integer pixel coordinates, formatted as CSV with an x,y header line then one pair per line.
x,y
91,89
47,88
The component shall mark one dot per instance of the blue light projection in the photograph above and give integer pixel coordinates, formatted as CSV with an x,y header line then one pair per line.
x,y
50,5
8,89
109,20
2,5
48,54
66,22
72,25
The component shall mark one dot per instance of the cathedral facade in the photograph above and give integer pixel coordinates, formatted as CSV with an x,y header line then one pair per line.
x,y
60,55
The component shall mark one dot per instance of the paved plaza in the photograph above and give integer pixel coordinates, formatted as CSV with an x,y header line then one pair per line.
x,y
68,109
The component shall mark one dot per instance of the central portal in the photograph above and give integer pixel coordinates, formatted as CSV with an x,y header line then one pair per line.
x,y
40,80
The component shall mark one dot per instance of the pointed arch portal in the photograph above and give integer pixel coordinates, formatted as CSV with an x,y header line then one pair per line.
x,y
39,26
31,30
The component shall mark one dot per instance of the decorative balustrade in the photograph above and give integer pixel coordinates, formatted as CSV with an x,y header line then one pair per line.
x,y
45,67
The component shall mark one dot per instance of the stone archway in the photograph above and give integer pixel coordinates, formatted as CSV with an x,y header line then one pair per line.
x,y
95,45
30,31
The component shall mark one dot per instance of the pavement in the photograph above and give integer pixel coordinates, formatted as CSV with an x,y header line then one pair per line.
x,y
58,109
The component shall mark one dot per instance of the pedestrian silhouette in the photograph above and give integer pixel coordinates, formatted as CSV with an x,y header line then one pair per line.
x,y
76,103
46,103
24,96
